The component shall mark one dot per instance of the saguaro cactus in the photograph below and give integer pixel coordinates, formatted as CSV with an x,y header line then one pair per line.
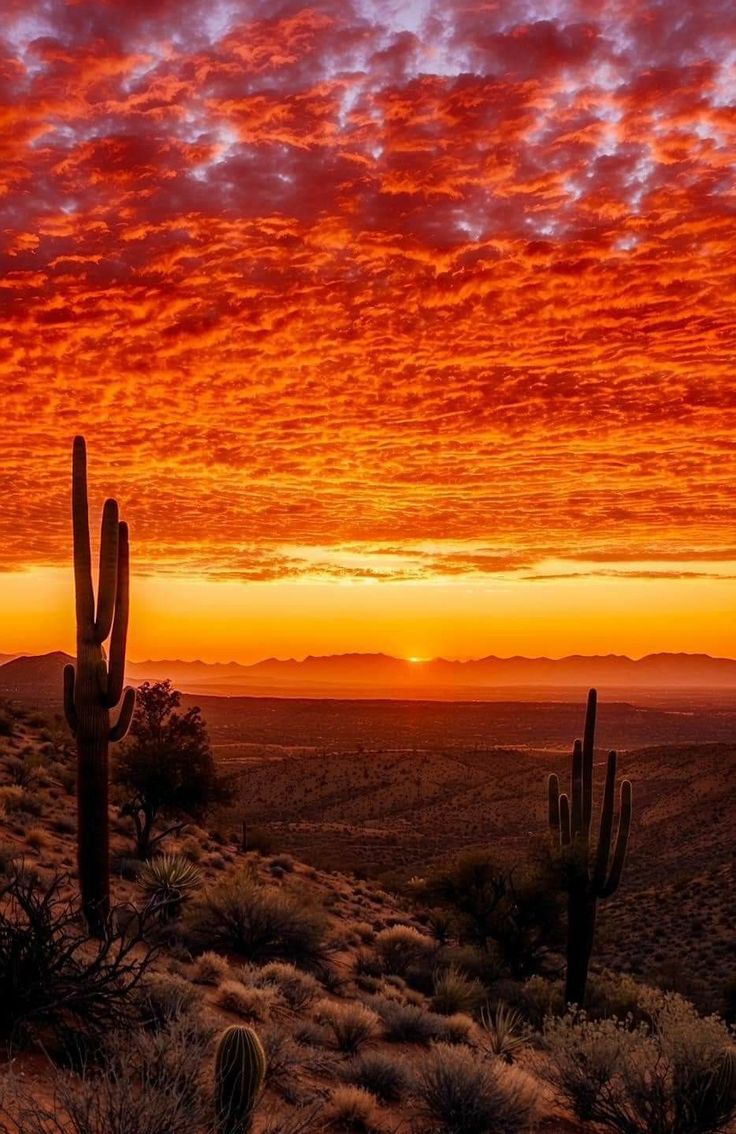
x,y
95,687
240,1072
588,876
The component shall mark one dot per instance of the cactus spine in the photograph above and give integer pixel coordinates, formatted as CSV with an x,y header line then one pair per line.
x,y
240,1072
95,686
589,877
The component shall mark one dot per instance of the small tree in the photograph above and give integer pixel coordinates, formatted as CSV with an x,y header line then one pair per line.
x,y
515,912
166,767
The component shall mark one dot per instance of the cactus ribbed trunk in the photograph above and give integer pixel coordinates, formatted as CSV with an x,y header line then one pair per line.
x,y
92,688
93,840
589,876
581,914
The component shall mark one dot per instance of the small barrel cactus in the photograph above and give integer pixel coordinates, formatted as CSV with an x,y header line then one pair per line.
x,y
240,1072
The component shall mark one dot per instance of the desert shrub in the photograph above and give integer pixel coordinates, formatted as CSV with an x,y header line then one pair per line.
x,y
12,798
538,998
401,947
259,922
210,968
283,862
297,989
308,1033
454,992
141,1084
9,853
441,924
351,1109
7,724
168,880
381,1074
351,1024
191,849
673,1075
405,1023
248,1003
37,838
284,1058
165,997
364,931
614,994
23,772
504,1031
54,977
453,1029
464,1094
367,964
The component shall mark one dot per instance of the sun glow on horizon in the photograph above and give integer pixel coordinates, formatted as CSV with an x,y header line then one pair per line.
x,y
391,331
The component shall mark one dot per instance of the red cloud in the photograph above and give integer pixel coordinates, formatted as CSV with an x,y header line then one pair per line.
x,y
307,275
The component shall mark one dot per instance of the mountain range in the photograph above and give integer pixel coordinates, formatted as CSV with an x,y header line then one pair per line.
x,y
379,675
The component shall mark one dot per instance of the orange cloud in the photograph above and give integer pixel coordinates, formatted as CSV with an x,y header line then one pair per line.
x,y
319,276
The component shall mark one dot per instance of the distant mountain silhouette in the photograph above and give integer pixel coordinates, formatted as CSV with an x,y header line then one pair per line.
x,y
33,671
379,675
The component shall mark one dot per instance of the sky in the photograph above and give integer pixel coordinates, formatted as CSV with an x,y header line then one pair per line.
x,y
392,326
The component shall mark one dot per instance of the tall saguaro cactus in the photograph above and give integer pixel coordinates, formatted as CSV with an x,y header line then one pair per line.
x,y
96,685
590,876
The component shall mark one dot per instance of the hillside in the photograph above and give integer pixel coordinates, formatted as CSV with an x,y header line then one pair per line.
x,y
379,982
389,814
346,1034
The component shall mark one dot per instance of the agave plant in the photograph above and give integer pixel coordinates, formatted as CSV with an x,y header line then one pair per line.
x,y
505,1030
169,879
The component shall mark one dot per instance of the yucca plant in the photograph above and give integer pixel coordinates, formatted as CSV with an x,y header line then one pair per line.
x,y
168,880
504,1027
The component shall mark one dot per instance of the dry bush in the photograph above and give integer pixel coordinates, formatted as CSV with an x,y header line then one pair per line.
x,y
210,968
12,799
379,1072
351,1024
141,1084
284,1059
675,1074
462,1094
260,922
248,1003
405,1023
55,979
454,992
453,1029
166,997
401,947
351,1109
37,838
297,989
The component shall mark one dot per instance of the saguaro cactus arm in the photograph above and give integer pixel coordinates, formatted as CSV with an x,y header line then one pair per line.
x,y
622,841
108,574
120,729
116,669
83,589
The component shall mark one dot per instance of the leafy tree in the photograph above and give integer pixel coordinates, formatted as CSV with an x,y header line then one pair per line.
x,y
165,768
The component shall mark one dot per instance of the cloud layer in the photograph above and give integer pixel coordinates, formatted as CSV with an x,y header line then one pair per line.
x,y
372,289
